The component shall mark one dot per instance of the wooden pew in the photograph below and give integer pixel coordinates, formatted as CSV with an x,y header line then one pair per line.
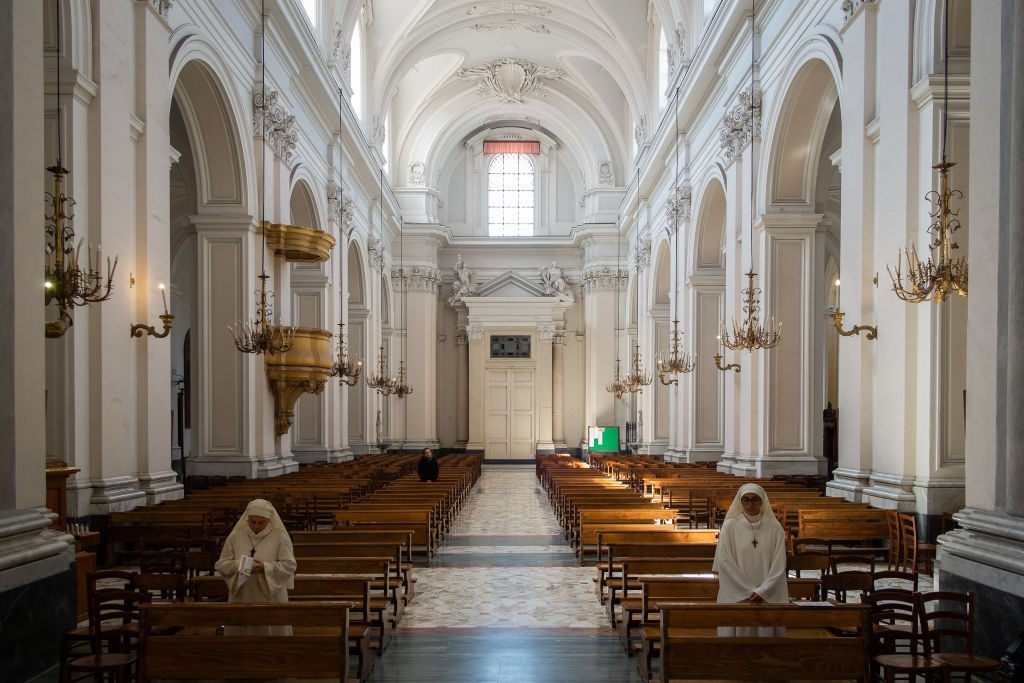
x,y
416,521
593,521
353,590
640,616
844,524
318,648
692,650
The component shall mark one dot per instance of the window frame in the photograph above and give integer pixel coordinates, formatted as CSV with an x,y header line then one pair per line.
x,y
488,161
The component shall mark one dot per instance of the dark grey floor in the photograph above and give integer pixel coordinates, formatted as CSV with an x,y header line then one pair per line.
x,y
504,658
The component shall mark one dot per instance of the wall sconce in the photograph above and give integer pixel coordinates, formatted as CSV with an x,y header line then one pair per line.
x,y
725,368
837,320
139,328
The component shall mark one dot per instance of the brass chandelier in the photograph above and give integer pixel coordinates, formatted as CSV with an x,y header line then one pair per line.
x,y
346,370
751,334
68,282
940,274
261,335
675,361
382,382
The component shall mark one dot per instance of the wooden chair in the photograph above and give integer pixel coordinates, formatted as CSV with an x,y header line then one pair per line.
x,y
72,642
894,575
807,562
892,518
912,548
946,618
840,580
897,645
117,623
161,587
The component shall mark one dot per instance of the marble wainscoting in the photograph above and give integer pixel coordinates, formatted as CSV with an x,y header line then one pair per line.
x,y
31,617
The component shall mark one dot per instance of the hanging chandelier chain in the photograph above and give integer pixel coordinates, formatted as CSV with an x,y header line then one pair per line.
x,y
262,335
916,281
69,280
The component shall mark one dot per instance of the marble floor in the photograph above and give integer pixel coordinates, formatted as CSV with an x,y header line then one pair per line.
x,y
505,599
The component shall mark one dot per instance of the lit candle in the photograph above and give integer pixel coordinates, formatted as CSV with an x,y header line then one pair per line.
x,y
839,295
163,293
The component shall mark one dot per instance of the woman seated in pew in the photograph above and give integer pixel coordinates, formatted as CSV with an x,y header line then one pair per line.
x,y
428,468
258,562
750,559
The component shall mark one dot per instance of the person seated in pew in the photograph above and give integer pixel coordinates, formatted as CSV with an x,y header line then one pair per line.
x,y
750,559
428,467
258,562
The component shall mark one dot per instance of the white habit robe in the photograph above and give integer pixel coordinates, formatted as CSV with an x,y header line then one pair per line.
x,y
273,547
744,568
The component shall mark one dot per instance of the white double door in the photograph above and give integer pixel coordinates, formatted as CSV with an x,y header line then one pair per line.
x,y
510,413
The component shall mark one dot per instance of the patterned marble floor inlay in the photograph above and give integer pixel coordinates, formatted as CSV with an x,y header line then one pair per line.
x,y
505,565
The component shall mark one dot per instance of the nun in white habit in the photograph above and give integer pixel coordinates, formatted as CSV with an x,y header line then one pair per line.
x,y
258,562
750,559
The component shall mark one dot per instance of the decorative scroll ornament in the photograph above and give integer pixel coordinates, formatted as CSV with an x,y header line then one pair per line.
x,y
738,124
511,79
640,130
605,173
415,279
464,283
417,174
554,284
339,209
510,116
270,120
162,6
510,24
378,132
642,253
678,207
509,8
376,249
603,279
850,7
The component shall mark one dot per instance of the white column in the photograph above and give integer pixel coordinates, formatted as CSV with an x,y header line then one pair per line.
x,y
857,256
601,341
543,391
462,388
153,262
420,330
114,358
477,378
233,410
558,390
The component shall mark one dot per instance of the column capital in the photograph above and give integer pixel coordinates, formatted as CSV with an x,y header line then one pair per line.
x,y
603,279
546,331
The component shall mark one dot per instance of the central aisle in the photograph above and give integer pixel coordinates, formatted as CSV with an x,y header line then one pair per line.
x,y
505,599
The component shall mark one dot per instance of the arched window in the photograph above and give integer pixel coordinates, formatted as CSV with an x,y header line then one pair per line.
x,y
510,196
310,7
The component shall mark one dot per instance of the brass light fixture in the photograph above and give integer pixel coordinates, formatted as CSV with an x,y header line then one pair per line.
x,y
345,369
262,335
638,378
381,382
68,283
728,366
751,334
675,361
935,279
837,320
617,387
139,329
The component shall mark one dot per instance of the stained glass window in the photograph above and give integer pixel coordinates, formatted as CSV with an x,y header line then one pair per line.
x,y
510,196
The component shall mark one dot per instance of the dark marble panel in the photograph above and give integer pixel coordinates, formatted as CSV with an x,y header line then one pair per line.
x,y
32,617
999,616
505,657
484,559
541,539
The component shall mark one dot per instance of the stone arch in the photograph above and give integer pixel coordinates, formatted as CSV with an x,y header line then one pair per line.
x,y
709,236
662,284
795,138
215,126
303,209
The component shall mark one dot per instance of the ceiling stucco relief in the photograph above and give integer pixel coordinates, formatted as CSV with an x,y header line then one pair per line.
x,y
417,176
509,8
508,116
511,79
510,24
